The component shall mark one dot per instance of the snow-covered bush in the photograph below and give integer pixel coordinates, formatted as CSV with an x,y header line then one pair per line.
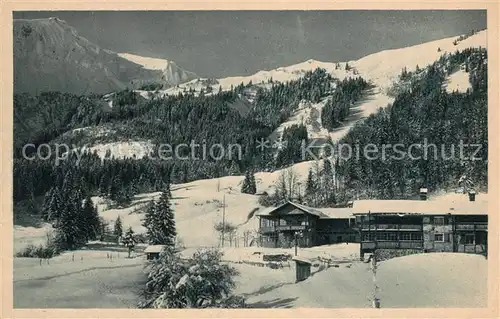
x,y
198,282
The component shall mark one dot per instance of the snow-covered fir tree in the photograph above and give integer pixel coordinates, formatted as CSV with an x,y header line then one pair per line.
x,y
129,240
118,228
248,186
160,222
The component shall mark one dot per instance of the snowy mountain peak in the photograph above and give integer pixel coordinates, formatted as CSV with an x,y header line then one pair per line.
x,y
146,62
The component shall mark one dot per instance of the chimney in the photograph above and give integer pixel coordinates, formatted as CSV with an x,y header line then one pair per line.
x,y
423,194
472,195
350,204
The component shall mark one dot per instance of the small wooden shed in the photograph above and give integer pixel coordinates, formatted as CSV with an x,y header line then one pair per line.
x,y
302,268
153,251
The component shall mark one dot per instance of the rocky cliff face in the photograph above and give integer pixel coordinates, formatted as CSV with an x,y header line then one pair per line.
x,y
49,55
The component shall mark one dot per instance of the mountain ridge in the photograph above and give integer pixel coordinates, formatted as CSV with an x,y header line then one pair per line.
x,y
50,55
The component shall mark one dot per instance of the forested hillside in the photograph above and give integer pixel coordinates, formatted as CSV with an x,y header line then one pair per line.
x,y
205,118
422,110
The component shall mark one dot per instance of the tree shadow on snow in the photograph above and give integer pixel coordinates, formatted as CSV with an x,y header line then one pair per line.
x,y
266,289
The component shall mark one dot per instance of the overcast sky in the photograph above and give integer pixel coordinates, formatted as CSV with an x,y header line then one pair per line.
x,y
225,43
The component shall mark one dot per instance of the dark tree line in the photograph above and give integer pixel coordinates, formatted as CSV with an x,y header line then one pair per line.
x,y
292,141
72,213
346,94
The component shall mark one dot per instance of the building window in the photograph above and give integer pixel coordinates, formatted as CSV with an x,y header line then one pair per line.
x,y
392,236
469,239
368,236
439,221
405,236
439,237
381,236
416,236
267,223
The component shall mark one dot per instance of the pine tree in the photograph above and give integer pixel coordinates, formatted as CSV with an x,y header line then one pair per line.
x,y
115,188
104,185
70,229
160,222
311,187
46,204
253,185
118,228
129,240
92,220
246,187
52,205
234,169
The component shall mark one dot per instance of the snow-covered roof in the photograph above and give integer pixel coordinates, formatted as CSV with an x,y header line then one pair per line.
x,y
301,259
320,212
154,249
447,205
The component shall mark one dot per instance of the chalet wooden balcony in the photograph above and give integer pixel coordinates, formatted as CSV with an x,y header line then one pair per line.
x,y
290,227
265,230
392,227
402,244
273,229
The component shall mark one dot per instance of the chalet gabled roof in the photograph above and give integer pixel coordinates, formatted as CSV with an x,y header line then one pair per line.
x,y
154,248
322,213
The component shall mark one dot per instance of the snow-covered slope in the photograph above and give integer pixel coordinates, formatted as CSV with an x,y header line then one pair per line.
x,y
262,78
198,206
458,81
50,55
128,149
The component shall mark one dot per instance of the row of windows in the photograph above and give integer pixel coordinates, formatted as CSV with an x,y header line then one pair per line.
x,y
438,237
282,222
436,220
392,236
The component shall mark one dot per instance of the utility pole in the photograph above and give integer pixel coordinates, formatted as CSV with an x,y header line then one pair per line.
x,y
376,301
223,217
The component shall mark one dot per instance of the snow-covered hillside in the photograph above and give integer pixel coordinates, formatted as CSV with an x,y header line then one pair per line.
x,y
262,78
458,81
382,69
129,149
